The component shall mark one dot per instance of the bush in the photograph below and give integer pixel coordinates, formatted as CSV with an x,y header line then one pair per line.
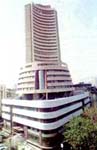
x,y
91,113
81,132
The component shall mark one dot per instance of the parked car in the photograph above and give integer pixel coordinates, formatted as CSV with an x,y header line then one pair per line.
x,y
3,147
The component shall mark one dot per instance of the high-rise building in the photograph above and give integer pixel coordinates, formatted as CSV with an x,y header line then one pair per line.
x,y
44,73
42,38
45,85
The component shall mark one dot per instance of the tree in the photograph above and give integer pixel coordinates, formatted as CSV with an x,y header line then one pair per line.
x,y
79,132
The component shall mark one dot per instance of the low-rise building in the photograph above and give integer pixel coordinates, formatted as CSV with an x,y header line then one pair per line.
x,y
6,93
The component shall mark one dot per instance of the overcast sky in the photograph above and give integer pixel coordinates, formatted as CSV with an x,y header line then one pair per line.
x,y
78,37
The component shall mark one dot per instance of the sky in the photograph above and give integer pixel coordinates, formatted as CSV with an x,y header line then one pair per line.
x,y
77,22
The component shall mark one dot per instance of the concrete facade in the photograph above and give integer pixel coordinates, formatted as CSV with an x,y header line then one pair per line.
x,y
44,75
42,38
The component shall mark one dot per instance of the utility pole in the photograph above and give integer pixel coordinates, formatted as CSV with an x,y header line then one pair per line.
x,y
11,125
11,120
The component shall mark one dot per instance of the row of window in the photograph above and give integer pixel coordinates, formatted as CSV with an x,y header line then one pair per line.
x,y
28,66
46,56
60,75
52,49
46,60
50,109
48,87
26,88
40,14
27,72
47,34
48,120
59,87
45,52
43,26
27,77
26,82
59,81
41,18
41,11
45,29
45,38
58,70
46,24
43,45
45,49
33,71
49,41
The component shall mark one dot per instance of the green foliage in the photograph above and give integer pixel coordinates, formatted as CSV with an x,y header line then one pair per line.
x,y
81,132
91,113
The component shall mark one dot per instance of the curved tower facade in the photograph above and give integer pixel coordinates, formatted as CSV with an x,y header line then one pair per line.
x,y
44,76
42,39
